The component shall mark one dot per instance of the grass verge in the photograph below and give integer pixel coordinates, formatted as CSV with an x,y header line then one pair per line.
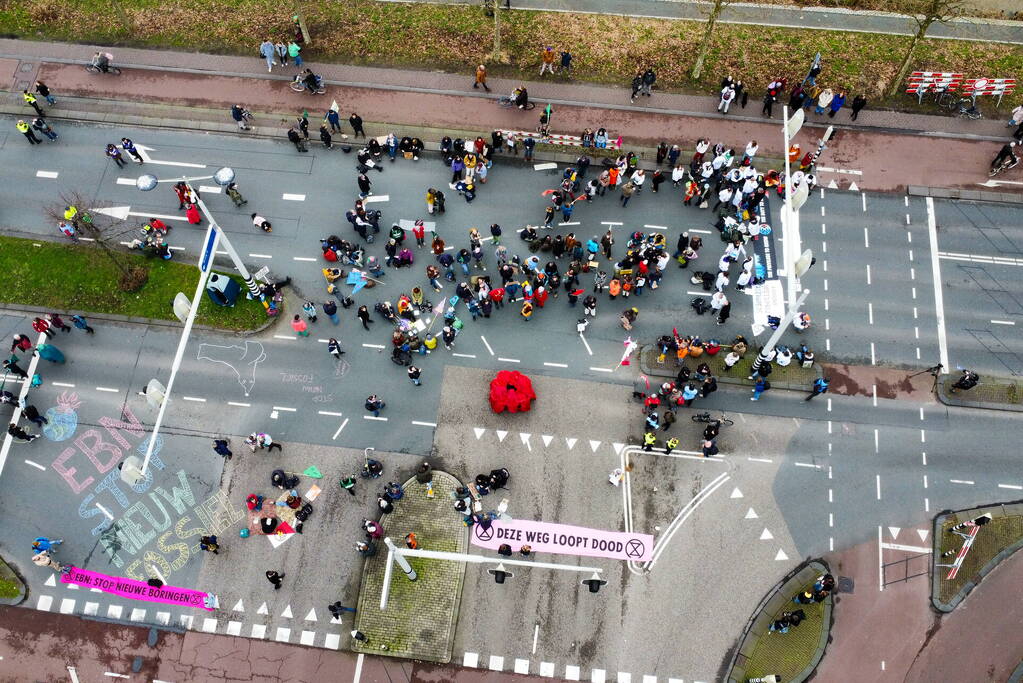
x,y
788,654
996,390
456,38
794,373
993,537
63,276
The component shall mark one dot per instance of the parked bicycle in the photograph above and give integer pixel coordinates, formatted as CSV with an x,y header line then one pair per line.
x,y
706,417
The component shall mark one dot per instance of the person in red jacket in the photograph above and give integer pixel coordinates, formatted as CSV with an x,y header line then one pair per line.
x,y
497,296
192,213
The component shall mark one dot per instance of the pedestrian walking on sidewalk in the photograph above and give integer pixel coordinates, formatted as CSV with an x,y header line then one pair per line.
x,y
637,85
481,78
363,315
273,576
356,122
31,413
820,386
858,103
81,323
128,146
282,52
294,50
45,93
43,127
26,130
31,99
268,52
239,114
296,139
56,321
115,154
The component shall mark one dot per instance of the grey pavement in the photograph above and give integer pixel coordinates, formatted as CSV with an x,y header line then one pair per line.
x,y
819,18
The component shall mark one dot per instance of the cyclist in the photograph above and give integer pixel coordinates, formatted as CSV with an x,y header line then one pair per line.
x,y
1006,154
101,60
71,214
520,98
311,81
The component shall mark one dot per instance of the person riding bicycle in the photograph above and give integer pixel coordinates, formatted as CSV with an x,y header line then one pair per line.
x,y
1006,154
520,97
311,81
101,60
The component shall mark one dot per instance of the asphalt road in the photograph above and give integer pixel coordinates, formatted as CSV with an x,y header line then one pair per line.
x,y
818,476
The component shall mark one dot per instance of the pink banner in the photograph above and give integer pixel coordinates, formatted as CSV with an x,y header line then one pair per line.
x,y
136,590
563,539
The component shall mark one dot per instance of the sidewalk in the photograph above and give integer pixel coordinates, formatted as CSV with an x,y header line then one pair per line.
x,y
878,152
827,18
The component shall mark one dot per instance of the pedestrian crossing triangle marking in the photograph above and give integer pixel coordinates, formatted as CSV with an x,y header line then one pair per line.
x,y
894,530
287,612
335,620
618,447
853,187
525,440
832,185
781,555
736,493
767,535
547,438
50,582
594,445
311,616
501,434
751,514
923,534
262,609
479,432
238,607
571,442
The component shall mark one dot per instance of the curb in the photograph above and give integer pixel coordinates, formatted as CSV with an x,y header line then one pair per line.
x,y
819,566
952,399
964,195
7,572
1000,510
725,379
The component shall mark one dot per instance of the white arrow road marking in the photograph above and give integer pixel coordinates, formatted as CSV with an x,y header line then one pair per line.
x,y
736,493
122,212
311,616
594,445
571,442
996,183
501,434
923,534
894,530
262,609
287,612
766,535
781,555
618,447
751,514
238,607
547,438
144,153
479,432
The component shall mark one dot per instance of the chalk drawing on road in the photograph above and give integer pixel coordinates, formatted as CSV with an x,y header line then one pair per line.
x,y
242,359
341,369
62,419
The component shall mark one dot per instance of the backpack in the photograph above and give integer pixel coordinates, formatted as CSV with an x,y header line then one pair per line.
x,y
699,305
303,513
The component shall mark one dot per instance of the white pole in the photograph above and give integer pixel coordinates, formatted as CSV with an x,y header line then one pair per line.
x,y
789,220
211,232
386,590
782,326
228,247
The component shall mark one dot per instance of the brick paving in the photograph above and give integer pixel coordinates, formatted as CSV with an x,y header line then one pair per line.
x,y
420,619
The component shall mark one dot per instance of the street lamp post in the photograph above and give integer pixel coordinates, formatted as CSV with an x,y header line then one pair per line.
x,y
214,237
396,554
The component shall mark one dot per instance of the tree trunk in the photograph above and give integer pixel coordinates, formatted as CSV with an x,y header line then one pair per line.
x,y
497,33
705,43
900,76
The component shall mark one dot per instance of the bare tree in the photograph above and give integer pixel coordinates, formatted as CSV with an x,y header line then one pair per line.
x,y
925,13
106,234
708,32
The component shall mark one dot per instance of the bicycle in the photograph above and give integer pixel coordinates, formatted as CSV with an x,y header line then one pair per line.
x,y
967,109
947,100
298,85
93,69
509,102
1004,166
705,417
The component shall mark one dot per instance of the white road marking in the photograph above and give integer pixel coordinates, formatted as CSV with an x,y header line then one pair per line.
x,y
286,409
569,223
704,232
303,258
111,674
487,344
864,196
373,346
925,481
49,174
509,360
961,481
868,273
261,255
911,255
1002,322
656,227
104,511
209,189
536,636
612,223
556,365
907,548
240,405
1014,487
107,389
909,237
912,273
288,197
923,436
586,344
327,412
193,398
424,424
601,369
870,312
374,417
939,304
63,384
921,412
343,425
877,435
125,181
880,561
807,464
36,465
767,460
980,258
878,481
907,217
907,199
464,355
824,229
873,357
376,198
866,238
822,210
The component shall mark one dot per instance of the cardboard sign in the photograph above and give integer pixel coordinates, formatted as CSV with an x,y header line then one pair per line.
x,y
137,590
563,539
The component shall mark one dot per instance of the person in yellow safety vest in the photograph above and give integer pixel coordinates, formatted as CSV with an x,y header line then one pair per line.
x,y
430,342
26,130
31,99
649,441
671,445
71,214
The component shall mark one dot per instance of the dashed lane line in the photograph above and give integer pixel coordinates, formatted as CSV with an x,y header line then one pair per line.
x,y
286,409
303,258
464,355
108,389
509,360
261,255
601,369
35,465
374,417
424,424
966,482
556,365
46,174
193,398
327,412
240,405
